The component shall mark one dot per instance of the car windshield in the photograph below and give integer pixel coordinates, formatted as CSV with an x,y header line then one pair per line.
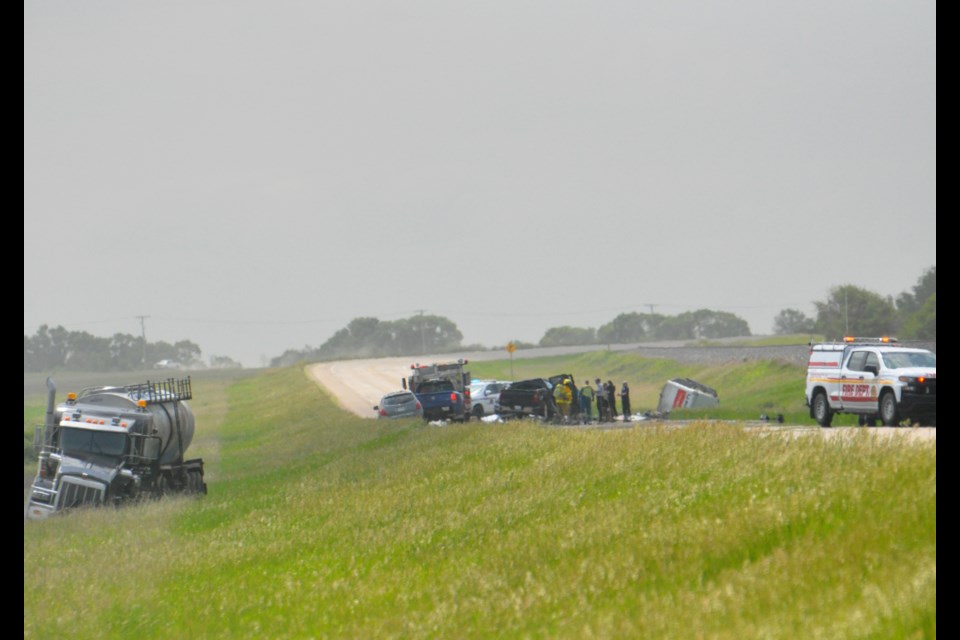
x,y
390,401
77,441
906,359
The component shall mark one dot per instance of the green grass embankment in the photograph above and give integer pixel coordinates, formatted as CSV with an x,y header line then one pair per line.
x,y
320,524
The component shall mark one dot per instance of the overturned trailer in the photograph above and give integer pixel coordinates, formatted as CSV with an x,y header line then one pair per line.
x,y
684,393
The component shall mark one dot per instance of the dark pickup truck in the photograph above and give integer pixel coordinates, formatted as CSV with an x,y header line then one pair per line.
x,y
440,399
534,397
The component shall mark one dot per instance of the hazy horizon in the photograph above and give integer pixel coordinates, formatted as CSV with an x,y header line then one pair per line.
x,y
253,176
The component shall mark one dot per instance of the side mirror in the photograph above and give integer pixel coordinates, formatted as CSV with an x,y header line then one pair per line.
x,y
872,368
376,407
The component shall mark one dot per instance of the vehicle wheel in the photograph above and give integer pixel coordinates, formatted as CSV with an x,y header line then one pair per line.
x,y
478,411
889,412
163,485
865,420
870,420
822,412
194,482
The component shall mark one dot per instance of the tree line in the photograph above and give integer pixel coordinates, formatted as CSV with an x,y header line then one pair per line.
x,y
640,327
850,310
53,349
370,338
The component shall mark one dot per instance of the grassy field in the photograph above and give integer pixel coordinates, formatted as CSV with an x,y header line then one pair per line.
x,y
320,524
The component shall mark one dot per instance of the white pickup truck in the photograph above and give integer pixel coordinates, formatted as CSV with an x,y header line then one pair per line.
x,y
874,378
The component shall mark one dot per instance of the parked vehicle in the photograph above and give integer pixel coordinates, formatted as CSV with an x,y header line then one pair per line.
x,y
533,397
440,400
484,395
875,378
109,445
399,404
453,372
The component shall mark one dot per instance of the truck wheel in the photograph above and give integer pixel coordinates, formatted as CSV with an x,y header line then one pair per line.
x,y
478,411
889,412
194,482
163,485
822,412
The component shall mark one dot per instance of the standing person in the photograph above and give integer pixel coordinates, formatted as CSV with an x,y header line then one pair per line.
x,y
612,398
563,398
586,403
603,413
625,401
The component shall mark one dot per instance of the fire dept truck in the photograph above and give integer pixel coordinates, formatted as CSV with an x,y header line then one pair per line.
x,y
874,378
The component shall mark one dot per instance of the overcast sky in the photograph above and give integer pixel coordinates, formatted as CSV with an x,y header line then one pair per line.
x,y
253,175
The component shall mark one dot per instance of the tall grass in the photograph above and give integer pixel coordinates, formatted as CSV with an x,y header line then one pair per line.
x,y
319,524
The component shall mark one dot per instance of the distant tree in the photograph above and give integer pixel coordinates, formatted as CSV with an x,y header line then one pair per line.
x,y
292,356
910,301
675,328
708,324
922,324
850,310
126,351
224,362
790,321
52,349
916,301
519,344
568,336
630,327
369,337
87,352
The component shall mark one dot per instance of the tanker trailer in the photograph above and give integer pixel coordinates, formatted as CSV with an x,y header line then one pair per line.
x,y
109,445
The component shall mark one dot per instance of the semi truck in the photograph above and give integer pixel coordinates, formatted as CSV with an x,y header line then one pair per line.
x,y
110,445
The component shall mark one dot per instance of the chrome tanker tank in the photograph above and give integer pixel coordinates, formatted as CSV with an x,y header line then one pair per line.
x,y
155,409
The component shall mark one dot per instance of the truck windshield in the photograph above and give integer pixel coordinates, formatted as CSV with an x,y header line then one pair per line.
x,y
905,359
108,443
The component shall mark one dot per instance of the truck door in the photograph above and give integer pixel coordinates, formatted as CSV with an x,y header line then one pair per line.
x,y
858,386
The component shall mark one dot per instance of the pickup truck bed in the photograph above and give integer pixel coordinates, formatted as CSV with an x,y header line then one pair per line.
x,y
526,398
440,400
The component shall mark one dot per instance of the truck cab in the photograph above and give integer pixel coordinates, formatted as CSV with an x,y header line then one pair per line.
x,y
112,444
874,378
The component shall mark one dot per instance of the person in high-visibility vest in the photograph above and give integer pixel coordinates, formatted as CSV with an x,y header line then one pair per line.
x,y
563,397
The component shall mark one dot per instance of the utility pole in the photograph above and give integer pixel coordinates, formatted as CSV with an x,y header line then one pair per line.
x,y
143,336
423,336
846,315
651,307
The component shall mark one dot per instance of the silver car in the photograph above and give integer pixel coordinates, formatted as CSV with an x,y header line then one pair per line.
x,y
399,404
